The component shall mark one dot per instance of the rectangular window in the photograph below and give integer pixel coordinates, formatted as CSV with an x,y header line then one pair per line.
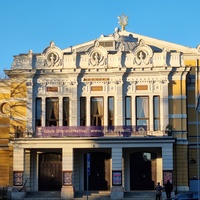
x,y
142,111
83,111
38,121
156,112
65,111
97,111
52,112
110,111
128,111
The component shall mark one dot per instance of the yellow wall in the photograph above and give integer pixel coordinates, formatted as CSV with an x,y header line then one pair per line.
x,y
193,172
4,134
177,87
18,90
4,166
13,94
181,166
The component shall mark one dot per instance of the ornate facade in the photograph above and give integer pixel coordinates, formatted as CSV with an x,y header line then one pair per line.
x,y
120,109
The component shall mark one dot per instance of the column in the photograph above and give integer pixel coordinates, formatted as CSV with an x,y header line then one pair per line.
x,y
88,111
43,111
73,105
167,166
117,190
67,191
105,120
18,164
60,107
133,104
119,103
151,119
31,111
18,174
164,115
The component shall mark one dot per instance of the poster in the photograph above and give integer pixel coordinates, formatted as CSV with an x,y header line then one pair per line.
x,y
67,178
17,178
117,178
167,175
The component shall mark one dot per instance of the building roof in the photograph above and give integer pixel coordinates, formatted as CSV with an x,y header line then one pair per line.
x,y
128,40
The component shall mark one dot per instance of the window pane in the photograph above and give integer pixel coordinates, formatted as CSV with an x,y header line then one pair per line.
x,y
128,107
156,124
142,107
142,111
96,111
128,111
38,111
128,122
110,111
83,111
156,109
65,111
52,112
142,122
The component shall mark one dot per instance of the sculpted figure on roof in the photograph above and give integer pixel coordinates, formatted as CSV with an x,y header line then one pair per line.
x,y
123,21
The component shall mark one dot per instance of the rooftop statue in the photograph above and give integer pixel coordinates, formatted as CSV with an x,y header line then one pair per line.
x,y
123,21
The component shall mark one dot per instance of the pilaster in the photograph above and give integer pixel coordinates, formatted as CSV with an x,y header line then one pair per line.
x,y
117,190
67,190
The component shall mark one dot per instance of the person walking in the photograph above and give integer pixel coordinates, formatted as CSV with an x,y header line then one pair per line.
x,y
158,189
168,189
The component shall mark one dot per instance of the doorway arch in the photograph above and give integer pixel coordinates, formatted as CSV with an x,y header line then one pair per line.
x,y
143,171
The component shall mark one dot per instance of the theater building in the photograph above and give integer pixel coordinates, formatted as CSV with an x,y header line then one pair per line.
x,y
114,114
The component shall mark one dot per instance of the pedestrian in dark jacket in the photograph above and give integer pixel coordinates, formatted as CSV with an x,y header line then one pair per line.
x,y
158,189
168,189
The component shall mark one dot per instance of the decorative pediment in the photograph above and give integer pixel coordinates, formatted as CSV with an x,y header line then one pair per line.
x,y
53,56
142,54
97,55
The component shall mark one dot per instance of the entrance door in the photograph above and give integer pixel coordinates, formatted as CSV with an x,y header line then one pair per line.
x,y
99,178
142,171
50,172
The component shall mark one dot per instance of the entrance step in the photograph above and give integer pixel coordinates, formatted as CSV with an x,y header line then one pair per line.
x,y
43,195
92,195
140,195
105,195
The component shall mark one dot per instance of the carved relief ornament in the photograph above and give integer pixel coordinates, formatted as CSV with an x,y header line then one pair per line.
x,y
98,55
142,54
53,56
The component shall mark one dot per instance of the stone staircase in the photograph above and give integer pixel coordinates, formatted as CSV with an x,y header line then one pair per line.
x,y
105,195
47,195
92,195
140,195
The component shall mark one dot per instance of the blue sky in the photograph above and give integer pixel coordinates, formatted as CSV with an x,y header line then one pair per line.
x,y
31,24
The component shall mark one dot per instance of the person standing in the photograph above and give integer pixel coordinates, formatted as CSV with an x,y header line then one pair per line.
x,y
168,189
158,189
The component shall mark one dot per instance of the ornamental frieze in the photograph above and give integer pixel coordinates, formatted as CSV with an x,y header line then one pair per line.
x,y
147,80
52,82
